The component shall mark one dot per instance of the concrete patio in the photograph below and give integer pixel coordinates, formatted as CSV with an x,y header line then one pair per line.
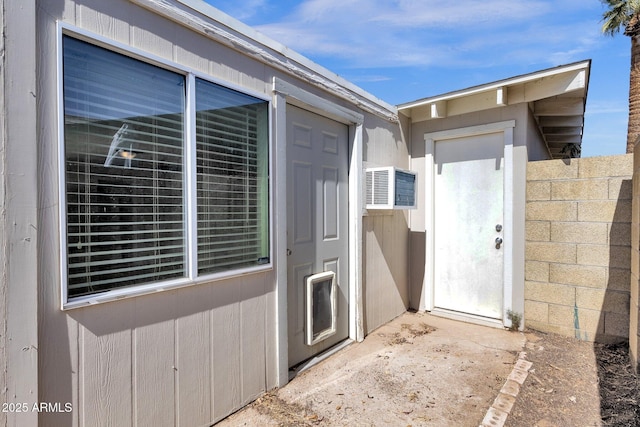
x,y
418,369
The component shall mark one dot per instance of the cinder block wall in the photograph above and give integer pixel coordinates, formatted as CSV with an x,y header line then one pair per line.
x,y
578,247
634,330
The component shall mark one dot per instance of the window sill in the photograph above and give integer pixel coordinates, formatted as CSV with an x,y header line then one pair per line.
x,y
152,288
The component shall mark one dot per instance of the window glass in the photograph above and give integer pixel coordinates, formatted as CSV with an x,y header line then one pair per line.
x,y
232,175
125,181
123,153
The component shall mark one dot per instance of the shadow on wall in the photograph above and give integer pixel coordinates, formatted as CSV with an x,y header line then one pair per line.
x,y
617,384
386,269
613,326
417,262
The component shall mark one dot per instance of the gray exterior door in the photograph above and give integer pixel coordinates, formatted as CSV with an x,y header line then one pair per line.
x,y
317,229
468,209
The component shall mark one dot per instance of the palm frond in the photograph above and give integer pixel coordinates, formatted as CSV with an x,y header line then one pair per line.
x,y
618,14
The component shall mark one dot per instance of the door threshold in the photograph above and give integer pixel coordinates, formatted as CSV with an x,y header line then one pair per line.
x,y
303,366
468,317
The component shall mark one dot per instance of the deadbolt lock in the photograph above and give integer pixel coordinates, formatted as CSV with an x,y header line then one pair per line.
x,y
498,227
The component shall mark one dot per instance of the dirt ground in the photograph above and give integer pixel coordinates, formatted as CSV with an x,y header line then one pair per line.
x,y
422,370
576,383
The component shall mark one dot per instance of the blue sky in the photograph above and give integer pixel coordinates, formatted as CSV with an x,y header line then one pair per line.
x,y
403,50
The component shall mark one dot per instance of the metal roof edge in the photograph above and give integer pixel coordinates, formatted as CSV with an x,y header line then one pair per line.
x,y
217,25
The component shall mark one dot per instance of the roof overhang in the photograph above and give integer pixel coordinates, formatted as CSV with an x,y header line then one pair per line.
x,y
556,96
212,23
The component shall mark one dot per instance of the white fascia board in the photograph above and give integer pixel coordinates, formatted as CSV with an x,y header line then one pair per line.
x,y
216,25
526,78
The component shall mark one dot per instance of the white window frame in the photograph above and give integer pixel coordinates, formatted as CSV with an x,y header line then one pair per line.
x,y
189,174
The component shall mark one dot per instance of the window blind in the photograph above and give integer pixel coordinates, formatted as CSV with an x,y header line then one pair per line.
x,y
123,151
232,177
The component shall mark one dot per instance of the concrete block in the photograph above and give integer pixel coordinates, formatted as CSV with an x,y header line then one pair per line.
x,y
550,292
538,190
619,234
636,157
536,271
561,315
605,166
581,275
584,189
604,211
619,256
551,252
620,189
579,232
634,291
537,231
619,279
494,418
616,302
590,323
616,324
589,298
634,316
504,402
606,256
556,329
552,169
551,211
535,311
510,388
518,375
523,365
636,199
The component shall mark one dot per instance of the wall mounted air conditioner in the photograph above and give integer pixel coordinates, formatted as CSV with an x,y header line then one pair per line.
x,y
390,188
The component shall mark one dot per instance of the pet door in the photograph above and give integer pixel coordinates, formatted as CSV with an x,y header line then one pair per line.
x,y
320,307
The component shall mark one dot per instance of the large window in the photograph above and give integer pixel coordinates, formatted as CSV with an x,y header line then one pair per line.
x,y
127,188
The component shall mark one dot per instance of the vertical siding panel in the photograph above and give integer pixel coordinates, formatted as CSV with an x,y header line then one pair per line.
x,y
58,333
252,312
271,333
192,53
105,365
153,42
193,387
225,345
107,25
154,361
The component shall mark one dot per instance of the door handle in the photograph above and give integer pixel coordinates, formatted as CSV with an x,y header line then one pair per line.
x,y
288,252
498,242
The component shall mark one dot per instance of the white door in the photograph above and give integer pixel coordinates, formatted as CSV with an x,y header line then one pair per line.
x,y
468,217
317,222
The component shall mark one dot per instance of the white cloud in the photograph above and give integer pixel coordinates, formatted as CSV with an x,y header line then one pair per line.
x,y
385,33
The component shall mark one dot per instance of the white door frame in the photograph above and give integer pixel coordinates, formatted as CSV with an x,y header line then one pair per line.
x,y
286,93
506,127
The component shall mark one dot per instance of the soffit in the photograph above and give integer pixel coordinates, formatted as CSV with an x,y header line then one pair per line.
x,y
556,97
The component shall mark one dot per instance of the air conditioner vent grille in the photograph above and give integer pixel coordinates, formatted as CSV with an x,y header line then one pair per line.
x,y
390,188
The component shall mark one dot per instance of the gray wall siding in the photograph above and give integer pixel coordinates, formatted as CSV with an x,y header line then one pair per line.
x,y
193,355
19,220
184,357
385,233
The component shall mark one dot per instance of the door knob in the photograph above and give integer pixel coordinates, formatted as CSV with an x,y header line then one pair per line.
x,y
498,242
288,252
